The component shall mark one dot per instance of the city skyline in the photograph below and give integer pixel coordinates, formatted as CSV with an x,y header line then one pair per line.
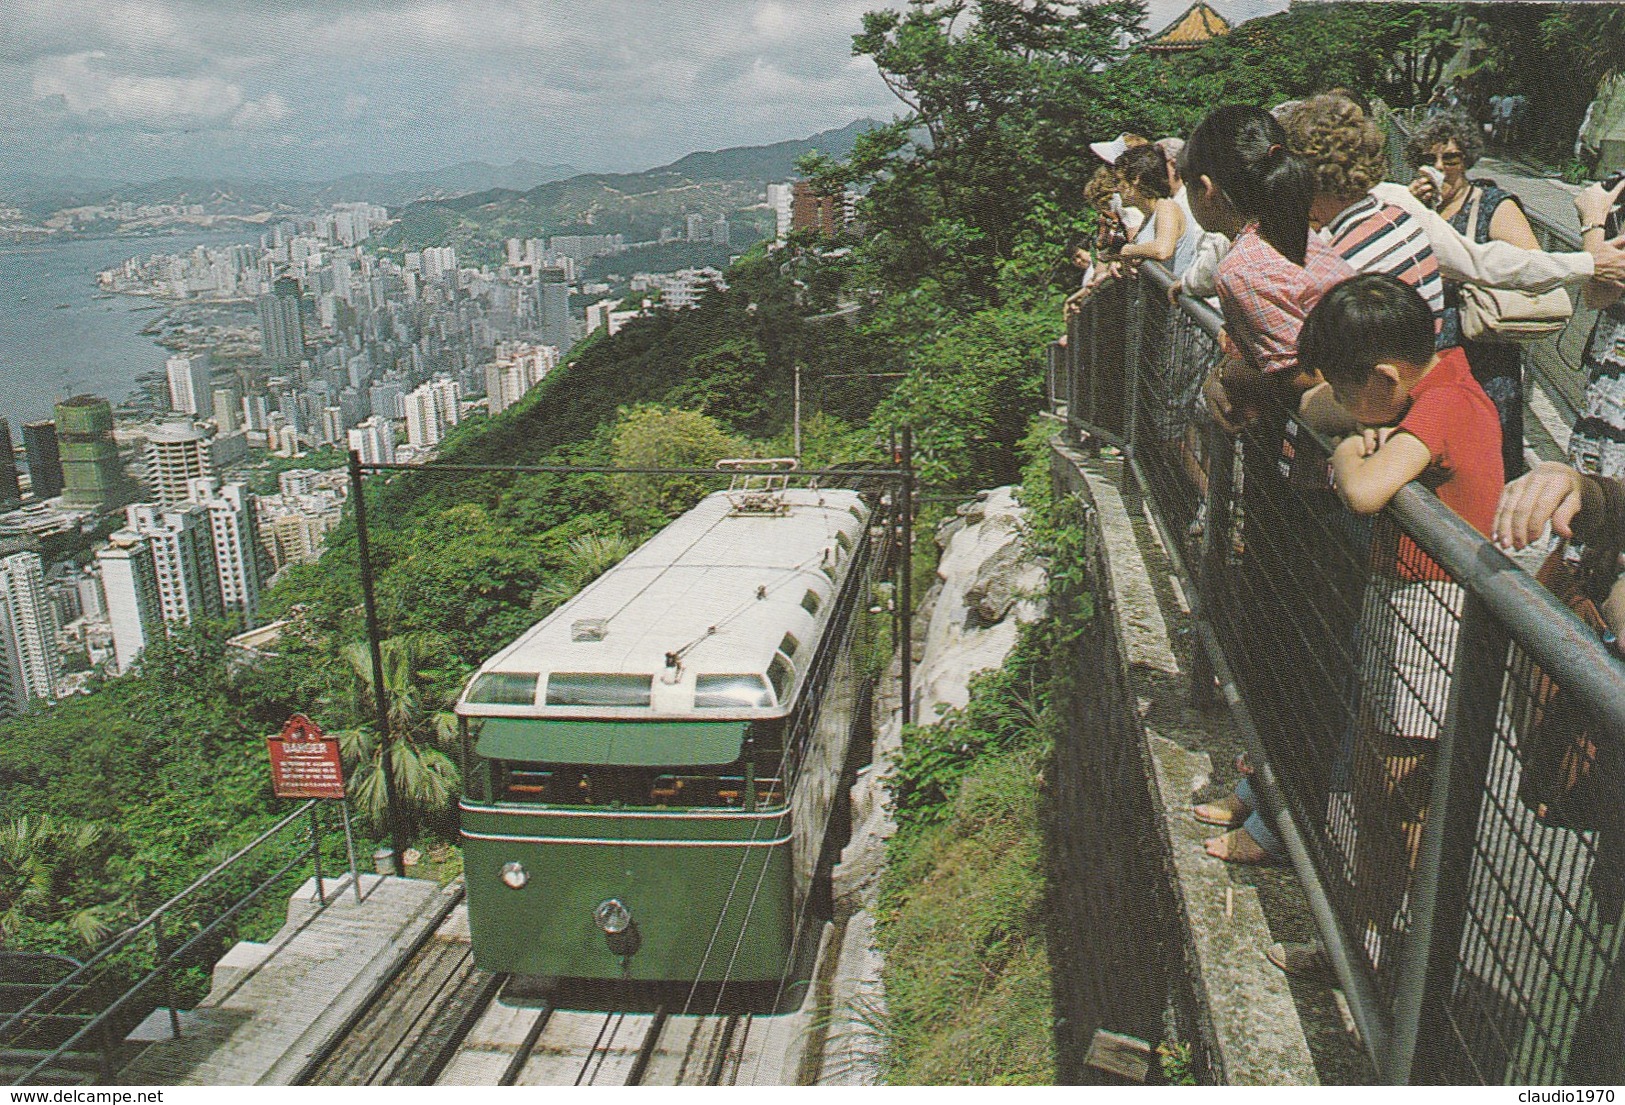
x,y
292,89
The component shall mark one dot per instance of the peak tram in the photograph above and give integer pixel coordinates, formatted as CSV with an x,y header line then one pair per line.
x,y
652,771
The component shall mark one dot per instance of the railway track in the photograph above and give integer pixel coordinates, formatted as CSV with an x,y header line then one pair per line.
x,y
440,1021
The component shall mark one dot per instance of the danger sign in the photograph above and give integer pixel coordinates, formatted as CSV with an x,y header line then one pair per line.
x,y
304,763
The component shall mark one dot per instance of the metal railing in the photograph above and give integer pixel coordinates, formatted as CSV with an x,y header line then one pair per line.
x,y
1381,669
87,1011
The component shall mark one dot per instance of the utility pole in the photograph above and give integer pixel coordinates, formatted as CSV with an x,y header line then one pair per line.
x,y
397,828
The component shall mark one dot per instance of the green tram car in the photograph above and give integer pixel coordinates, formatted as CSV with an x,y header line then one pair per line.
x,y
651,770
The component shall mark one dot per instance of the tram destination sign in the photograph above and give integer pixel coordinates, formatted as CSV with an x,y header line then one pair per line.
x,y
304,763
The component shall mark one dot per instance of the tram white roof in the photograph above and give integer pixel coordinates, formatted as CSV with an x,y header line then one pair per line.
x,y
718,586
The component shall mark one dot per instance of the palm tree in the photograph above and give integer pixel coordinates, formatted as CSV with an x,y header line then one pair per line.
x,y
590,556
426,779
43,860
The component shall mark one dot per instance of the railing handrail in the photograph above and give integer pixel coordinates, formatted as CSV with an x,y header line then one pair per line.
x,y
1205,317
147,922
1549,632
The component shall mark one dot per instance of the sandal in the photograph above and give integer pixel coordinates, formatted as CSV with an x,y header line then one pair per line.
x,y
1306,961
1227,813
1237,846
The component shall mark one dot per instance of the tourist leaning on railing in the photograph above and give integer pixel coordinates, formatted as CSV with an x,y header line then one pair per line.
x,y
1372,338
1246,183
1168,234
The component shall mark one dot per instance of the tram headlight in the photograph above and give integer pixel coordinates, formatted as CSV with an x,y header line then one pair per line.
x,y
514,875
612,917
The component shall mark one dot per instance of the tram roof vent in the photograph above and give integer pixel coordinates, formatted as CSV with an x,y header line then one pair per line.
x,y
589,629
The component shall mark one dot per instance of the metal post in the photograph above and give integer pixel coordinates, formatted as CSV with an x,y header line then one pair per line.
x,y
349,848
1094,361
1209,571
397,830
1132,313
797,418
316,854
1440,890
906,507
160,947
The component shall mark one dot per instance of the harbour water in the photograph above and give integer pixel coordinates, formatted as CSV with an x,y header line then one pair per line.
x,y
49,351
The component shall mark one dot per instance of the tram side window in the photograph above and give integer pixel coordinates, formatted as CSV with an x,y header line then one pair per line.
x,y
782,674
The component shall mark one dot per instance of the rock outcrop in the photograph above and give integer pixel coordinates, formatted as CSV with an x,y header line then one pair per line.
x,y
987,587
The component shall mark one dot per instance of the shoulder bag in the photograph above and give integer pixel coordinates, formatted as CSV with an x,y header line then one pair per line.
x,y
1500,315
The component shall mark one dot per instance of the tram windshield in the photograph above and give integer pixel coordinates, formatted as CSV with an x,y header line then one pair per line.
x,y
621,787
753,782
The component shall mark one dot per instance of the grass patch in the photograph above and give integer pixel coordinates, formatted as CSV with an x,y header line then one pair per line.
x,y
967,972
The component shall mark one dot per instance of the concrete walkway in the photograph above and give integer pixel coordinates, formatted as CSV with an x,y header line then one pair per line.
x,y
275,1006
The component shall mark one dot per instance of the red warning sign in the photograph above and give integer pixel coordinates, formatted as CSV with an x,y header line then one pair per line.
x,y
304,763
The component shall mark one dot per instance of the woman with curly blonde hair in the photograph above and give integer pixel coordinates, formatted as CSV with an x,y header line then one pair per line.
x,y
1349,156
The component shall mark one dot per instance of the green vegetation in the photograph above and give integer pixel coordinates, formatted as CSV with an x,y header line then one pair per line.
x,y
961,919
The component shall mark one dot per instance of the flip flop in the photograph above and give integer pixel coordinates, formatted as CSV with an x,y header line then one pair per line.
x,y
1220,815
1237,846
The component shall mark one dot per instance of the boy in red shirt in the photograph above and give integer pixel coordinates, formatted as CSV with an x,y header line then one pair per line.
x,y
1372,338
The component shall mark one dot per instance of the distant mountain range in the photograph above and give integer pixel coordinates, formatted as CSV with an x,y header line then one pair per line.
x,y
40,195
722,182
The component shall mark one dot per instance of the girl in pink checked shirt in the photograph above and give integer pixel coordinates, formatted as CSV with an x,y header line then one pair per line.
x,y
1245,182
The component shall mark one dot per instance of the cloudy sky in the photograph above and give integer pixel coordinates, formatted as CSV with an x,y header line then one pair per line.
x,y
137,89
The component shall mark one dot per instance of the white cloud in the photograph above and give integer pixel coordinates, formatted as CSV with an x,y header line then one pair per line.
x,y
266,111
85,85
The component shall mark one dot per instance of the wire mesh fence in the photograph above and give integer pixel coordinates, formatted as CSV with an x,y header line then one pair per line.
x,y
1428,714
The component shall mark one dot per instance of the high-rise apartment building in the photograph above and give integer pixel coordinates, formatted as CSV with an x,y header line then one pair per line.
x,y
282,333
11,494
781,198
509,378
189,391
181,541
226,409
387,399
236,544
91,475
28,657
177,453
256,412
130,585
44,458
431,410
438,261
553,308
374,439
